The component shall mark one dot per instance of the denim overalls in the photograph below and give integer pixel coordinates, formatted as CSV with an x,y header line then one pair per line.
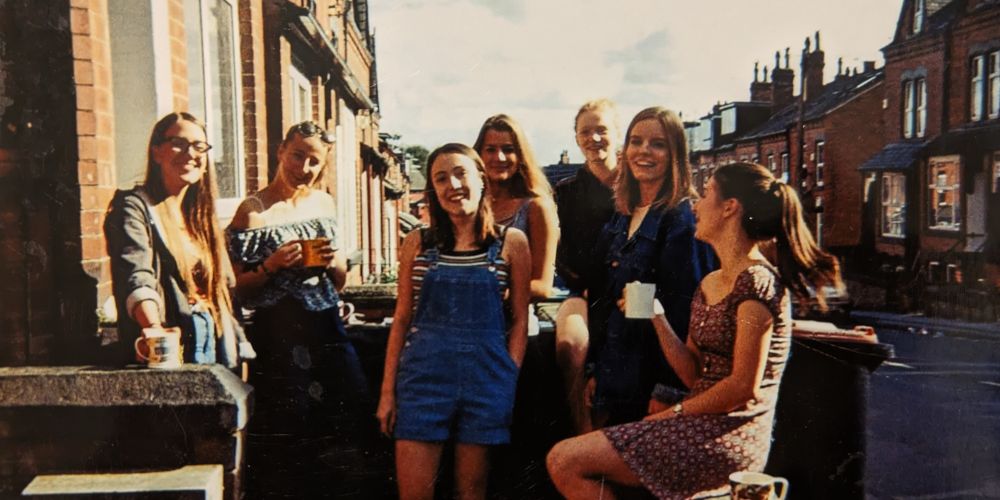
x,y
627,358
456,377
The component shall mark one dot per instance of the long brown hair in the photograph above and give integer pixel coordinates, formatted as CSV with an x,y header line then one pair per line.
x,y
529,181
677,184
772,211
198,211
441,233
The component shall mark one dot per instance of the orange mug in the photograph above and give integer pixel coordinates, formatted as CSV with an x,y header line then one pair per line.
x,y
311,252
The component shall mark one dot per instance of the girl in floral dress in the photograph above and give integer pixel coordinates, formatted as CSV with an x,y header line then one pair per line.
x,y
740,333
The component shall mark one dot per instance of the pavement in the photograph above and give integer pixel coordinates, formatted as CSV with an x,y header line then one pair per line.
x,y
921,324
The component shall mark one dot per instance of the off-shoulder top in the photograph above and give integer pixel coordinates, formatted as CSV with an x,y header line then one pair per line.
x,y
311,287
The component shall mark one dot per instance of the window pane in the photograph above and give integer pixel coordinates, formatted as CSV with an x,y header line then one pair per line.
x,y
908,109
921,96
994,91
222,125
944,199
976,89
893,204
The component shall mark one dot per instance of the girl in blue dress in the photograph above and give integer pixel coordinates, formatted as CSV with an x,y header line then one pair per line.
x,y
452,360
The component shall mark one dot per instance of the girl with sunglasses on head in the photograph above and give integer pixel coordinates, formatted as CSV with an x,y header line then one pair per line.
x,y
308,373
732,361
452,358
169,264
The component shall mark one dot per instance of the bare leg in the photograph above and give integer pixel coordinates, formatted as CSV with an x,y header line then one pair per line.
x,y
583,467
472,467
416,468
572,338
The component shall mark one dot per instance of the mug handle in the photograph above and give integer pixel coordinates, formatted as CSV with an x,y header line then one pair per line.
x,y
137,351
347,310
784,487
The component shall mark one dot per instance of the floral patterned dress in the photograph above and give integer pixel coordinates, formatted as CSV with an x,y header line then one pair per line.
x,y
689,455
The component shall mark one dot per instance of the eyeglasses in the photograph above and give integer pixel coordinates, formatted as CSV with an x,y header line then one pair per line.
x,y
310,129
181,145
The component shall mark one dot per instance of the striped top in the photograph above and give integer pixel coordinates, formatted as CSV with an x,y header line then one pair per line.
x,y
471,258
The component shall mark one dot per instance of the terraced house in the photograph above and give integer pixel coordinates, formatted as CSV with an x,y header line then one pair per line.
x,y
82,82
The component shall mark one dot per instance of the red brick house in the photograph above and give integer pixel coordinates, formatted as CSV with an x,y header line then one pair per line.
x,y
82,82
938,214
827,131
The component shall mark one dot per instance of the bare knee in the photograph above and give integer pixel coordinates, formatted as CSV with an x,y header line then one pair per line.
x,y
560,461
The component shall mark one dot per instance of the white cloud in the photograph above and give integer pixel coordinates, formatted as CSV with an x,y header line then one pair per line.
x,y
446,65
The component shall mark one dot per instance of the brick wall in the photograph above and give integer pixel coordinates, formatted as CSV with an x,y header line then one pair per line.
x,y
254,107
971,36
853,134
923,56
95,134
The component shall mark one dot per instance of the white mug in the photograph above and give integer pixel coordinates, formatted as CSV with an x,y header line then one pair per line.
x,y
162,347
746,485
639,300
346,310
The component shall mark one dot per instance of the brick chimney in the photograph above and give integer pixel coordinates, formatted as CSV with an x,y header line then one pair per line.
x,y
869,66
812,71
782,83
760,90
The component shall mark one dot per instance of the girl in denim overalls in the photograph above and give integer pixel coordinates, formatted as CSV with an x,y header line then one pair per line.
x,y
452,361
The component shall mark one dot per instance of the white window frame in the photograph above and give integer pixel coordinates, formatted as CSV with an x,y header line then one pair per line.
x,y
977,88
225,206
348,218
938,189
920,91
918,16
770,163
301,90
784,167
993,88
892,216
820,161
908,108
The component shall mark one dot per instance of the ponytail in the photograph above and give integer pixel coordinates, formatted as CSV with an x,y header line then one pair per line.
x,y
772,212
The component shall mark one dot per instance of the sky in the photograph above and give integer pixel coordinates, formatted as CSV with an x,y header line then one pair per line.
x,y
444,66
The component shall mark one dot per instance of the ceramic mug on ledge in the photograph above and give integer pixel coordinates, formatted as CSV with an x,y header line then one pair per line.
x,y
160,347
756,486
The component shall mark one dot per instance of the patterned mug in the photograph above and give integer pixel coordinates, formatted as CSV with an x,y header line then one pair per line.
x,y
746,485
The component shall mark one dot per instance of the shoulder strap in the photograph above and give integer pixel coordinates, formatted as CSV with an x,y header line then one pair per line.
x,y
496,248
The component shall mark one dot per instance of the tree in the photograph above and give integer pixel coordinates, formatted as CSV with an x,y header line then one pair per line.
x,y
417,153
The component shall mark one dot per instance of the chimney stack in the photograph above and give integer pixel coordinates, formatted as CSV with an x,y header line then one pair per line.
x,y
760,89
812,71
869,66
782,83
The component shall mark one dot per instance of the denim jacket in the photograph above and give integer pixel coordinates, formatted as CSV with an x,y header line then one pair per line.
x,y
664,251
142,268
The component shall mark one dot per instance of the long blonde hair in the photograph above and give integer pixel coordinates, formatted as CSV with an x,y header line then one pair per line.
x,y
529,182
677,184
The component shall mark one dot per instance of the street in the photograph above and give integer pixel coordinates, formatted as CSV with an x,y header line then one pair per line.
x,y
934,418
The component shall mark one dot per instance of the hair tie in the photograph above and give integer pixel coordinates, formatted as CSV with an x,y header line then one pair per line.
x,y
775,187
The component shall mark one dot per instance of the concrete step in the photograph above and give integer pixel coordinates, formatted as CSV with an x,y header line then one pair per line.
x,y
202,482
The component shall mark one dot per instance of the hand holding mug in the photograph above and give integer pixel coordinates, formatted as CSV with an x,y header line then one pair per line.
x,y
317,252
287,255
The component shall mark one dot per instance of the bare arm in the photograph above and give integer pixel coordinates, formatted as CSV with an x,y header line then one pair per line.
x,y
685,359
515,252
397,333
250,279
543,233
753,336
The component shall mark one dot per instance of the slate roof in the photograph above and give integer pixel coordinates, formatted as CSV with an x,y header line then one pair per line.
x,y
559,171
895,156
834,94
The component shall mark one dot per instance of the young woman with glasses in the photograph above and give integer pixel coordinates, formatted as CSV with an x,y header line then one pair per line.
x,y
169,263
309,382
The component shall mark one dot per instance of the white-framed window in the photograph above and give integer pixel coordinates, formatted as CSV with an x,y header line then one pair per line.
x,y
347,178
783,173
301,95
893,204
993,70
944,209
977,88
820,162
914,108
819,221
918,16
770,163
996,171
214,90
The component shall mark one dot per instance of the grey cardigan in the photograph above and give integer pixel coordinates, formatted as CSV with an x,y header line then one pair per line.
x,y
142,268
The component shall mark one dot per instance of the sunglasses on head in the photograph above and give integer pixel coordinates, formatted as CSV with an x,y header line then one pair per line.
x,y
181,145
310,129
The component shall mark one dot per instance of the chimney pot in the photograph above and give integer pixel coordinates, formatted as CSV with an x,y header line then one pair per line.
x,y
786,58
817,40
